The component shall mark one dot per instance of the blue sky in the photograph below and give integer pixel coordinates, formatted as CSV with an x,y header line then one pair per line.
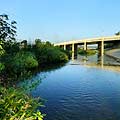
x,y
62,20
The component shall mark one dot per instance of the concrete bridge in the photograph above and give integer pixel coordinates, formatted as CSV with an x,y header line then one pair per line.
x,y
100,41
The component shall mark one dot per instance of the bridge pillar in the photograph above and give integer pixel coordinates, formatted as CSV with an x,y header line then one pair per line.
x,y
64,47
85,45
73,48
101,48
74,51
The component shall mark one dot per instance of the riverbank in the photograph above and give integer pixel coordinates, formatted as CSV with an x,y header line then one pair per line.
x,y
114,53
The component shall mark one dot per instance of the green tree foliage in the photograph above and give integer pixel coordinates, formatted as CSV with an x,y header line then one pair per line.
x,y
7,34
25,59
86,52
118,33
46,53
2,51
11,48
7,29
2,67
16,105
19,64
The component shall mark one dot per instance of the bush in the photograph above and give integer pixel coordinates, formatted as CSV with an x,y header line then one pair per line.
x,y
45,52
2,67
16,105
23,61
20,65
49,54
54,55
86,52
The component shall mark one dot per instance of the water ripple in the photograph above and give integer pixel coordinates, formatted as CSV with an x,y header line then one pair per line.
x,y
80,93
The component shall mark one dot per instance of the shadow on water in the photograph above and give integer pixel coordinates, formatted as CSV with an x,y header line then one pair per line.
x,y
37,75
50,67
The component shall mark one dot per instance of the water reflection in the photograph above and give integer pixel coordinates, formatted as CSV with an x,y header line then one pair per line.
x,y
104,62
75,92
101,61
73,56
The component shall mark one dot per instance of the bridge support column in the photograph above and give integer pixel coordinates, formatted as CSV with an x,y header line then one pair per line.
x,y
101,48
85,45
74,51
101,52
64,47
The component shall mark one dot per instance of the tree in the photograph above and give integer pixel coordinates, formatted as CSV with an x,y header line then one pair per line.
x,y
48,44
118,33
7,29
7,33
1,49
1,53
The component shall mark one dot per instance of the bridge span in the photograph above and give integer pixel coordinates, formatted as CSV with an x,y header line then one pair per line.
x,y
100,41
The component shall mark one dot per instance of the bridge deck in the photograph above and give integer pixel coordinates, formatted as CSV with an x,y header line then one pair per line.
x,y
91,40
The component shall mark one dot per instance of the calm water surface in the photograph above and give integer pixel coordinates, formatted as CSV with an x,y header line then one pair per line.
x,y
76,92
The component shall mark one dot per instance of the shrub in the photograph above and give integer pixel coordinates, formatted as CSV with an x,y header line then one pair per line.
x,y
45,52
91,52
30,62
16,105
50,54
63,57
20,65
2,67
23,61
86,52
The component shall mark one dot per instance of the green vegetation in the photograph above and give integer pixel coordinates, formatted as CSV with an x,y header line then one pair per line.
x,y
16,105
17,62
2,67
86,52
117,33
22,61
46,53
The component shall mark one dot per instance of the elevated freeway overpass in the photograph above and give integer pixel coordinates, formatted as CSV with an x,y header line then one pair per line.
x,y
100,41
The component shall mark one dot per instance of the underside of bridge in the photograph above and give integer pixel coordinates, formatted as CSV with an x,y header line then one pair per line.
x,y
73,48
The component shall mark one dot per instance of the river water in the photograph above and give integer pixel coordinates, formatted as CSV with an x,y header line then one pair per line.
x,y
80,92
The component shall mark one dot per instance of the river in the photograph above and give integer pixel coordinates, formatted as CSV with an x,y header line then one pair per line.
x,y
80,92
